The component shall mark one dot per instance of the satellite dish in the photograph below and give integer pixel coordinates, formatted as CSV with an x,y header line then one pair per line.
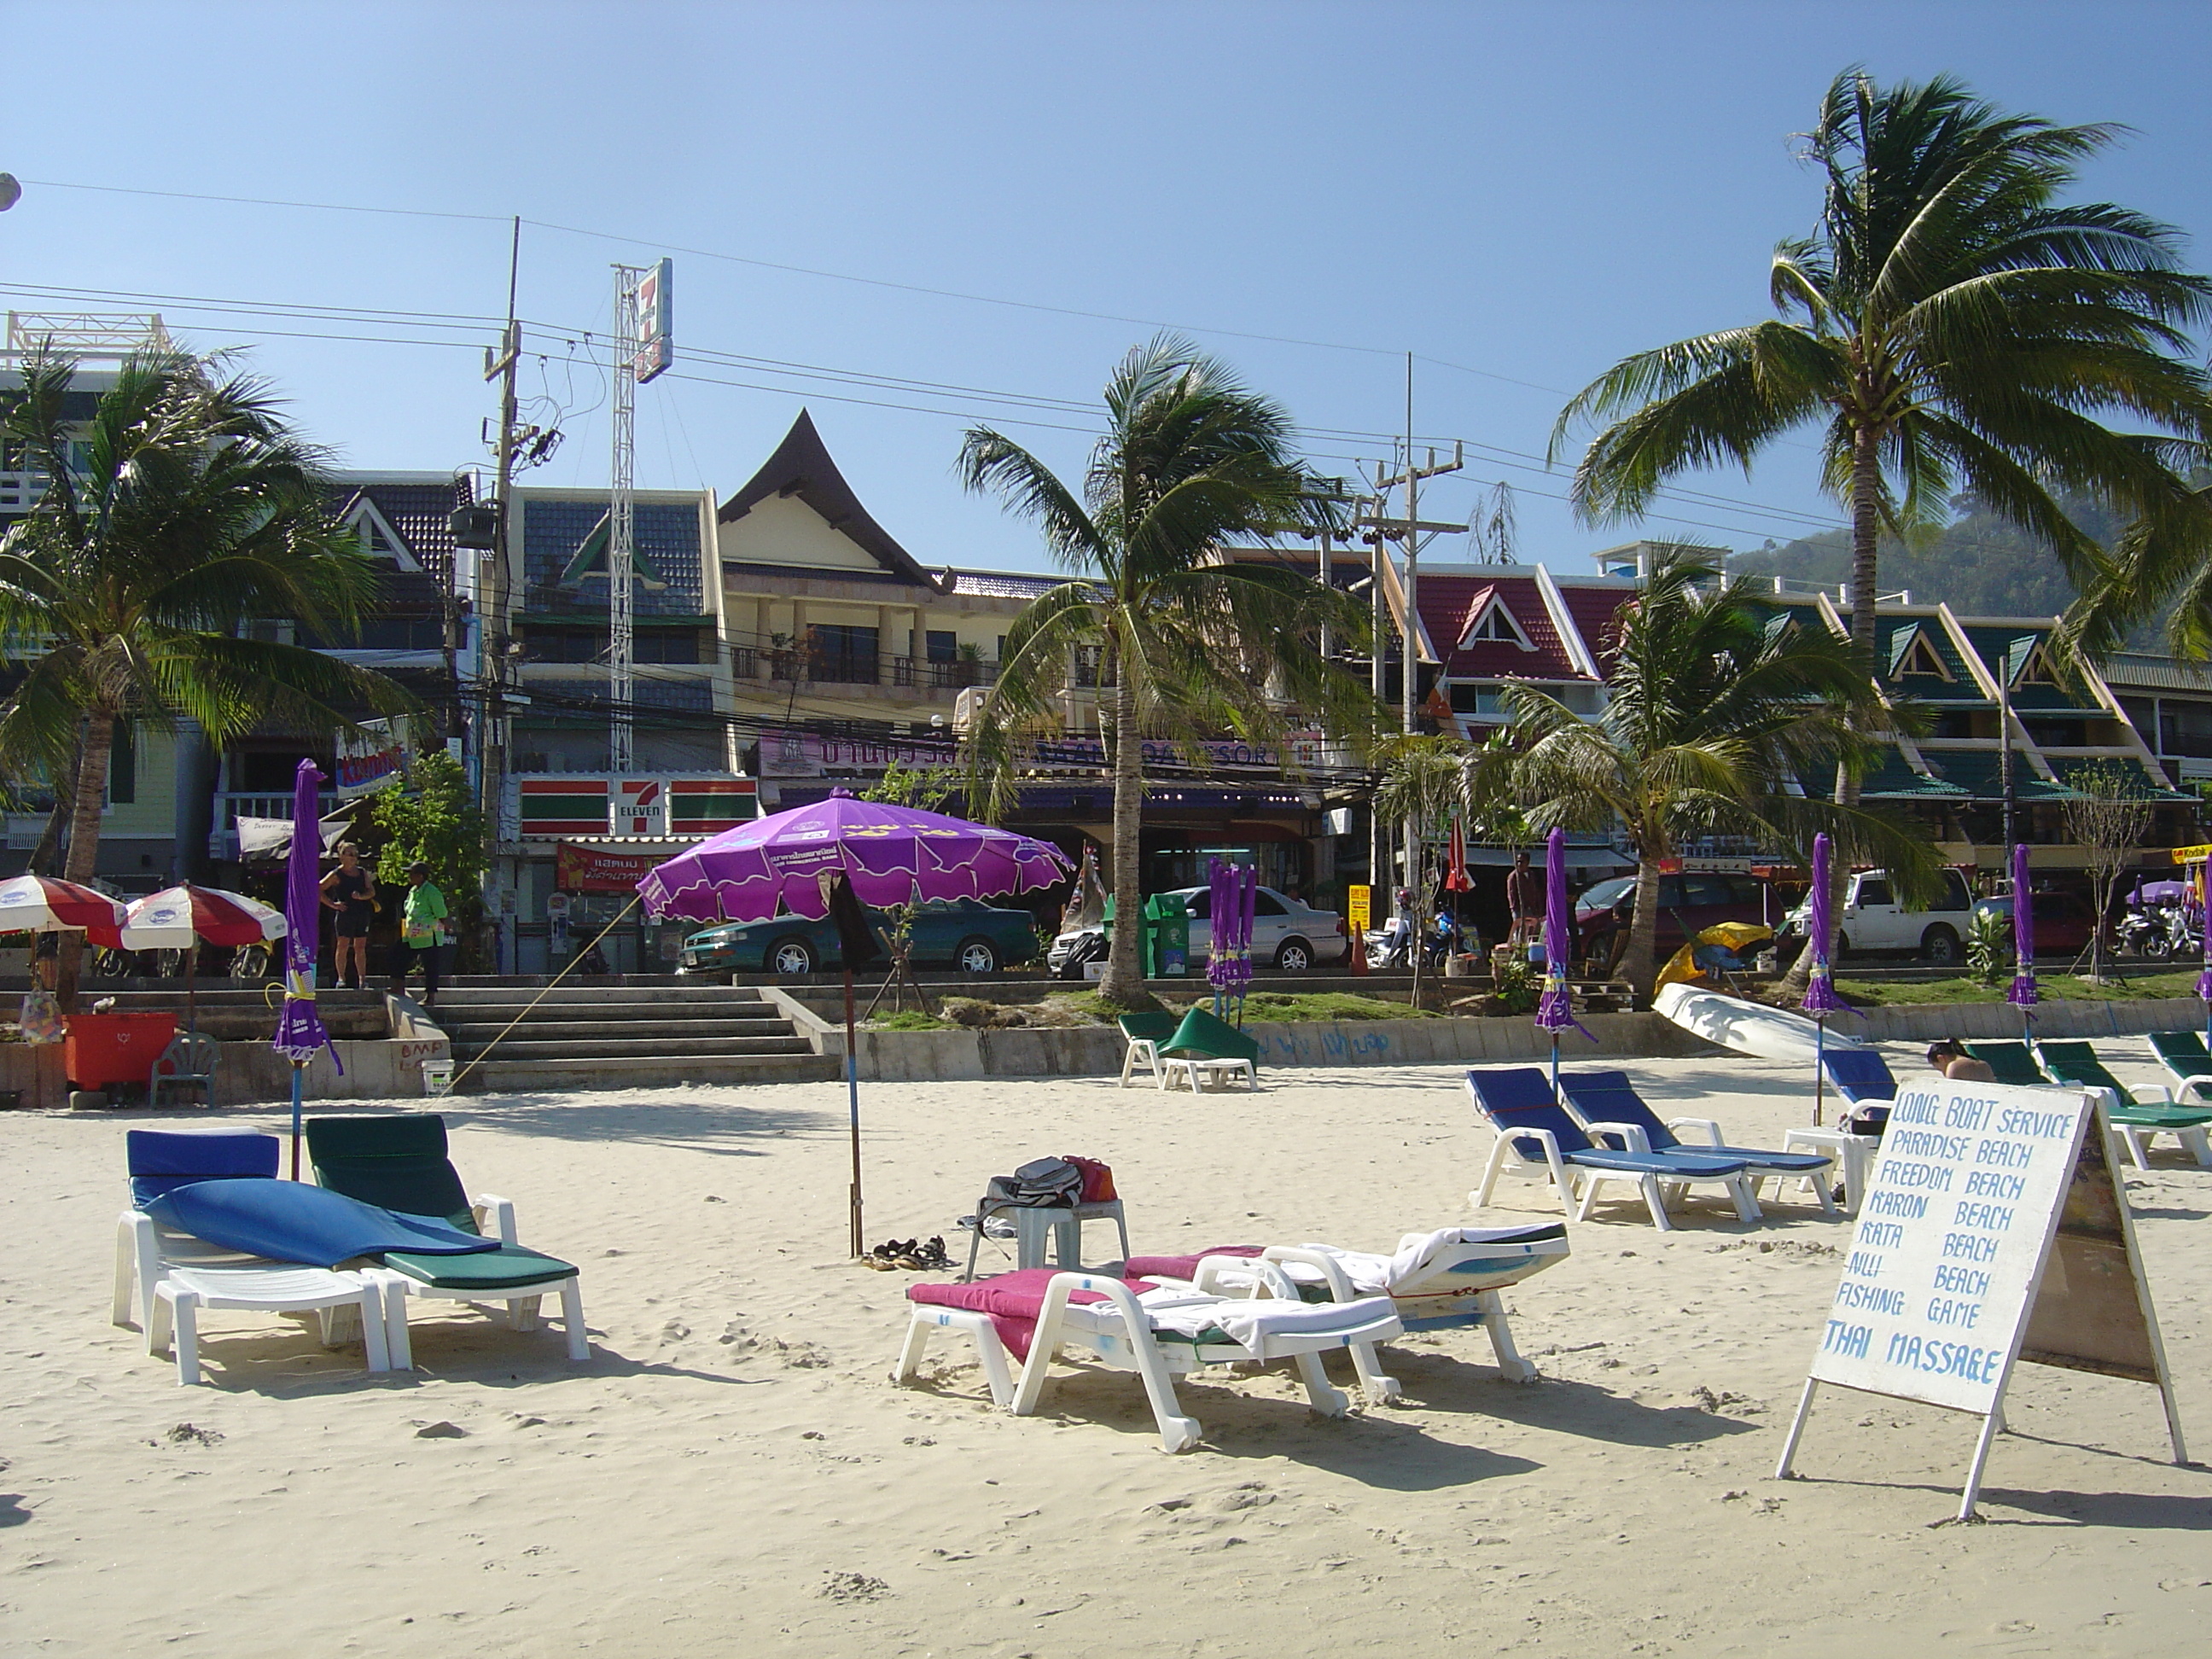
x,y
10,192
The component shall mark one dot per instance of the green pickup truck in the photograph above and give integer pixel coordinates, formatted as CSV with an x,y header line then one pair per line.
x,y
963,933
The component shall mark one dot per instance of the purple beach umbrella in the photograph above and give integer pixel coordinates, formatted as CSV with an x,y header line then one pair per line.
x,y
889,855
1819,1000
2022,995
1555,1009
1231,892
300,1033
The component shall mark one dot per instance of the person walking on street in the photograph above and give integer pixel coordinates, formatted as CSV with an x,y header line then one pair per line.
x,y
421,933
351,891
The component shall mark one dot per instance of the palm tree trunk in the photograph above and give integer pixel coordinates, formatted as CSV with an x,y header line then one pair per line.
x,y
49,849
1866,530
84,840
1639,962
1125,969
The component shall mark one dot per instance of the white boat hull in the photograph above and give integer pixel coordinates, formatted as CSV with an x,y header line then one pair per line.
x,y
1748,1028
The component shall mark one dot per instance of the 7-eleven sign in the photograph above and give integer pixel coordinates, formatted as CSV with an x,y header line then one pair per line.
x,y
639,809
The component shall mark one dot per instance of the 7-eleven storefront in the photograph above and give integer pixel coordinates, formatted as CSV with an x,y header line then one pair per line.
x,y
584,841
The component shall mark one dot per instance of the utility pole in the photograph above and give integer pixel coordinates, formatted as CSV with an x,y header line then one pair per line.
x,y
495,589
1410,634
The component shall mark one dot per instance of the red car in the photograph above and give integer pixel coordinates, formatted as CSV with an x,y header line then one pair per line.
x,y
1688,904
2063,921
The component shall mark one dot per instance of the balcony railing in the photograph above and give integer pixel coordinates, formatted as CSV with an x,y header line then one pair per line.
x,y
787,662
230,805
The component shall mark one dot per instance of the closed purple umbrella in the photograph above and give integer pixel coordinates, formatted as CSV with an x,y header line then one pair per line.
x,y
888,855
2023,995
1555,1009
1228,931
2204,927
300,1033
1819,1000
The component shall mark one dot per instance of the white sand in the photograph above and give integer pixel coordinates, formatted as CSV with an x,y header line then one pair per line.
x,y
735,1442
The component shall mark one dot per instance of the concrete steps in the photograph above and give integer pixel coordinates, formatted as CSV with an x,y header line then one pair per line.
x,y
621,1036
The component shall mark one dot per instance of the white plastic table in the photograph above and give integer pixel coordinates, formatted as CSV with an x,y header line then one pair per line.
x,y
1854,1156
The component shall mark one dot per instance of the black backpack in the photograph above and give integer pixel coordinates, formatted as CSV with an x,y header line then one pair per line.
x,y
1041,1183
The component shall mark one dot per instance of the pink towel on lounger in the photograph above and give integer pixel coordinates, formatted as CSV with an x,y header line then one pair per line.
x,y
1184,1267
1013,1301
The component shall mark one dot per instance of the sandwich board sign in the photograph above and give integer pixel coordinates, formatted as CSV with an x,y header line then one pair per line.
x,y
1995,1231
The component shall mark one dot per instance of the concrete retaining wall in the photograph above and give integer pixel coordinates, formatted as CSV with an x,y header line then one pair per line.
x,y
251,1073
1925,1022
932,1056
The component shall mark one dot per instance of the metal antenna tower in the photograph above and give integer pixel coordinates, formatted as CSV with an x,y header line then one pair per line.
x,y
622,529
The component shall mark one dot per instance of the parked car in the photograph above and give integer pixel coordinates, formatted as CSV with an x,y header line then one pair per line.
x,y
2063,921
963,933
1872,919
1688,904
1286,934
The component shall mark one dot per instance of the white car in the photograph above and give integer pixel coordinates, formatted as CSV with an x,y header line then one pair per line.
x,y
1285,933
1873,920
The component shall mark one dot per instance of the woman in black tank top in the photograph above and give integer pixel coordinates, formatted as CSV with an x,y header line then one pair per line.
x,y
350,890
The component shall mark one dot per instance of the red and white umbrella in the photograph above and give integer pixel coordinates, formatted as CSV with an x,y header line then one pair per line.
x,y
45,904
173,919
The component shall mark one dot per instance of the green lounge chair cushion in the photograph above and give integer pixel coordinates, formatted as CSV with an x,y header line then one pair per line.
x,y
508,1268
396,1162
1208,1038
1148,1028
2012,1062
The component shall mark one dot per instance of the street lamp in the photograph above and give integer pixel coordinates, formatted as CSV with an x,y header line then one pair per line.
x,y
10,192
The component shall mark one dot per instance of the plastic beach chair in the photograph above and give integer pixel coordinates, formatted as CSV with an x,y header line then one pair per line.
x,y
1144,1033
1608,1098
166,1277
2014,1064
2077,1066
1537,1136
2187,1061
188,1062
1864,1079
1158,1331
1448,1279
1204,1043
399,1163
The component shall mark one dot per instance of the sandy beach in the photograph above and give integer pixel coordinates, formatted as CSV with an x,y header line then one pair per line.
x,y
733,1471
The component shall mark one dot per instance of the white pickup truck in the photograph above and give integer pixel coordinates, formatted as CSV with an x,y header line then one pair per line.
x,y
1873,921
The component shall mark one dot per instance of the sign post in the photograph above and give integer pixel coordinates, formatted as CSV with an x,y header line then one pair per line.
x,y
1994,1231
1355,923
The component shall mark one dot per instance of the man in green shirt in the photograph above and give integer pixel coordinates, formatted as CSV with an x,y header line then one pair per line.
x,y
421,933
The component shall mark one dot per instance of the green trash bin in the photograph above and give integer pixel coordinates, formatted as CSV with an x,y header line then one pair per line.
x,y
1167,936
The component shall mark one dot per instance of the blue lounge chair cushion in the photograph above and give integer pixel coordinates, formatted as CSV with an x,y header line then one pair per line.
x,y
291,1221
1610,1097
1519,1097
161,1160
1859,1074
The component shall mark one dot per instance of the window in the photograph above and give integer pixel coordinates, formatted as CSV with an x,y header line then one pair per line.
x,y
123,767
1746,891
1477,698
2184,728
1874,892
942,645
1704,893
665,645
1495,623
2035,667
1670,892
1200,904
1920,656
1266,904
842,654
1955,896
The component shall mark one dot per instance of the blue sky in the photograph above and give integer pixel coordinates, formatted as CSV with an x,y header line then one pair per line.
x,y
1526,191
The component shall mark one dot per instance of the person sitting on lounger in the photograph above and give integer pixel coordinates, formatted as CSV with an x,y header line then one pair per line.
x,y
1954,1062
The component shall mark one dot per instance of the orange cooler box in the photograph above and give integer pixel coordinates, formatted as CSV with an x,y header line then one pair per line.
x,y
104,1049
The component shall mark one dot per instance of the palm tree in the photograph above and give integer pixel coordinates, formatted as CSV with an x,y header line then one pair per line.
x,y
185,508
1187,644
1949,325
1424,783
1713,716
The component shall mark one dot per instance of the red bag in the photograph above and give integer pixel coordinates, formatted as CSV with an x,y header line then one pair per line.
x,y
1097,1180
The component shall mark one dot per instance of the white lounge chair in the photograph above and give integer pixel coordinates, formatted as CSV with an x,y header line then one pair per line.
x,y
1443,1280
1158,1334
165,1277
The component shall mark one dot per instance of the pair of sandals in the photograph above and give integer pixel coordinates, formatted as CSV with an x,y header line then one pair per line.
x,y
915,1255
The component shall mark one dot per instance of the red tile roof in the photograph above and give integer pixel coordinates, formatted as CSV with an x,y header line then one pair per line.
x,y
1446,603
